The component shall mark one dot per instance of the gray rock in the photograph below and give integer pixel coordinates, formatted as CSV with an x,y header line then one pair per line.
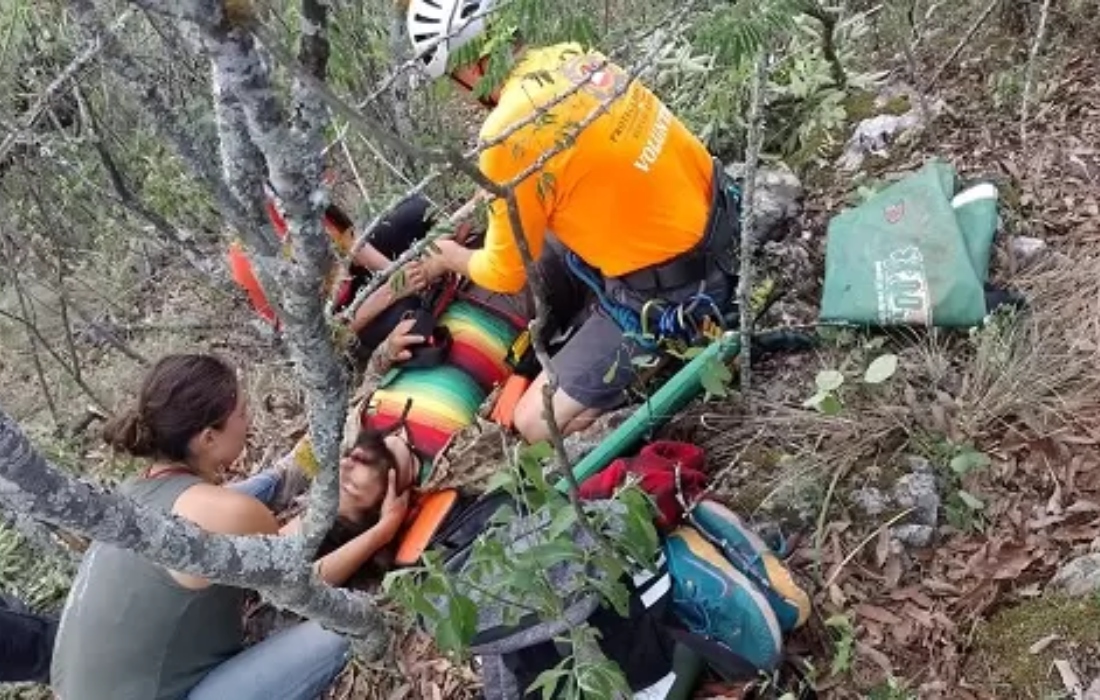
x,y
872,136
918,490
1093,693
914,535
1026,248
872,501
778,198
875,135
918,464
1079,577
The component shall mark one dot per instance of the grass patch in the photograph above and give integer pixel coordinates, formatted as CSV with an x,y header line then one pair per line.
x,y
1003,646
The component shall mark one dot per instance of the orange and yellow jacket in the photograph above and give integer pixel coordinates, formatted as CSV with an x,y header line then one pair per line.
x,y
632,191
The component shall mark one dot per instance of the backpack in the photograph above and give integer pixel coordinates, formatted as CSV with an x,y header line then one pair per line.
x,y
513,647
661,651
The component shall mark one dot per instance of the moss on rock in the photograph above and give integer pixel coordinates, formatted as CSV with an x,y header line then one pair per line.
x,y
1002,656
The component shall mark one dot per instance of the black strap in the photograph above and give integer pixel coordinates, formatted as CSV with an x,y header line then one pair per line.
x,y
431,353
726,663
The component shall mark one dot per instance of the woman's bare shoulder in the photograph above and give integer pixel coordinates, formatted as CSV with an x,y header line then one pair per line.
x,y
222,510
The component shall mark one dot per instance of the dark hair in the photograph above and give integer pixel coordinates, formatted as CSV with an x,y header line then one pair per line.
x,y
181,396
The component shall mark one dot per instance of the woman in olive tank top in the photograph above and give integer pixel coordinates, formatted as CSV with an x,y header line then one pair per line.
x,y
133,630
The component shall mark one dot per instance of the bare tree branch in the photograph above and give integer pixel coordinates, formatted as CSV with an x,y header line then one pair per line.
x,y
96,45
171,126
748,218
1029,79
32,328
28,321
295,167
125,194
540,295
33,339
963,43
277,566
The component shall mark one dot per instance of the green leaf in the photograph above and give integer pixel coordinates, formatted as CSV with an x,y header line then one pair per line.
x,y
969,461
531,466
455,631
544,186
815,400
554,553
830,405
829,380
970,500
540,451
548,682
715,377
397,282
564,519
503,479
883,367
616,593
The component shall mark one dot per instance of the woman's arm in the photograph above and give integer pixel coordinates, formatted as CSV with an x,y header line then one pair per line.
x,y
335,568
339,566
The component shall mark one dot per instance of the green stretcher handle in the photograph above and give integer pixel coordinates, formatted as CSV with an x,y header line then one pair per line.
x,y
684,386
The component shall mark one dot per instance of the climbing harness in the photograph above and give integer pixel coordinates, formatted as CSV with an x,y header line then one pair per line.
x,y
690,321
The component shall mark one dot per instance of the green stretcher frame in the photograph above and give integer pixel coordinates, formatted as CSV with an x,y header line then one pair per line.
x,y
677,392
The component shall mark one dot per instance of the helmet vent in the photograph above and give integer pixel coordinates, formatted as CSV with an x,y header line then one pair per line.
x,y
469,9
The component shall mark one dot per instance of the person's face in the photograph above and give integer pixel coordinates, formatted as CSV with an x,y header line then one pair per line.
x,y
363,482
218,448
468,77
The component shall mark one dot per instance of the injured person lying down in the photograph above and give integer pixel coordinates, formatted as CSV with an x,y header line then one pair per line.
x,y
433,362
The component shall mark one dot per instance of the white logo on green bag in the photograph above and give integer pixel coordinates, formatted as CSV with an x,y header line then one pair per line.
x,y
902,288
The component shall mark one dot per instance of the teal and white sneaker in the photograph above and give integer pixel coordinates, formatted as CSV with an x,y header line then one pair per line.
x,y
714,599
746,551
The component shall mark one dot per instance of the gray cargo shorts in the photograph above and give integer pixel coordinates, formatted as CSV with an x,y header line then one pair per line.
x,y
596,366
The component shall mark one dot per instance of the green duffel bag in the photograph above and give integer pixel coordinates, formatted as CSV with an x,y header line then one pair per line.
x,y
915,254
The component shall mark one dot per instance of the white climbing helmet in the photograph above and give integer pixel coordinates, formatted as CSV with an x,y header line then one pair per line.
x,y
438,28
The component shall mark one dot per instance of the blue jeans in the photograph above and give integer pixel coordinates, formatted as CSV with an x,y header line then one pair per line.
x,y
296,664
263,486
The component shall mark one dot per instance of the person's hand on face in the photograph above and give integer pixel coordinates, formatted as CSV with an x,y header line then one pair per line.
x,y
396,347
395,505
